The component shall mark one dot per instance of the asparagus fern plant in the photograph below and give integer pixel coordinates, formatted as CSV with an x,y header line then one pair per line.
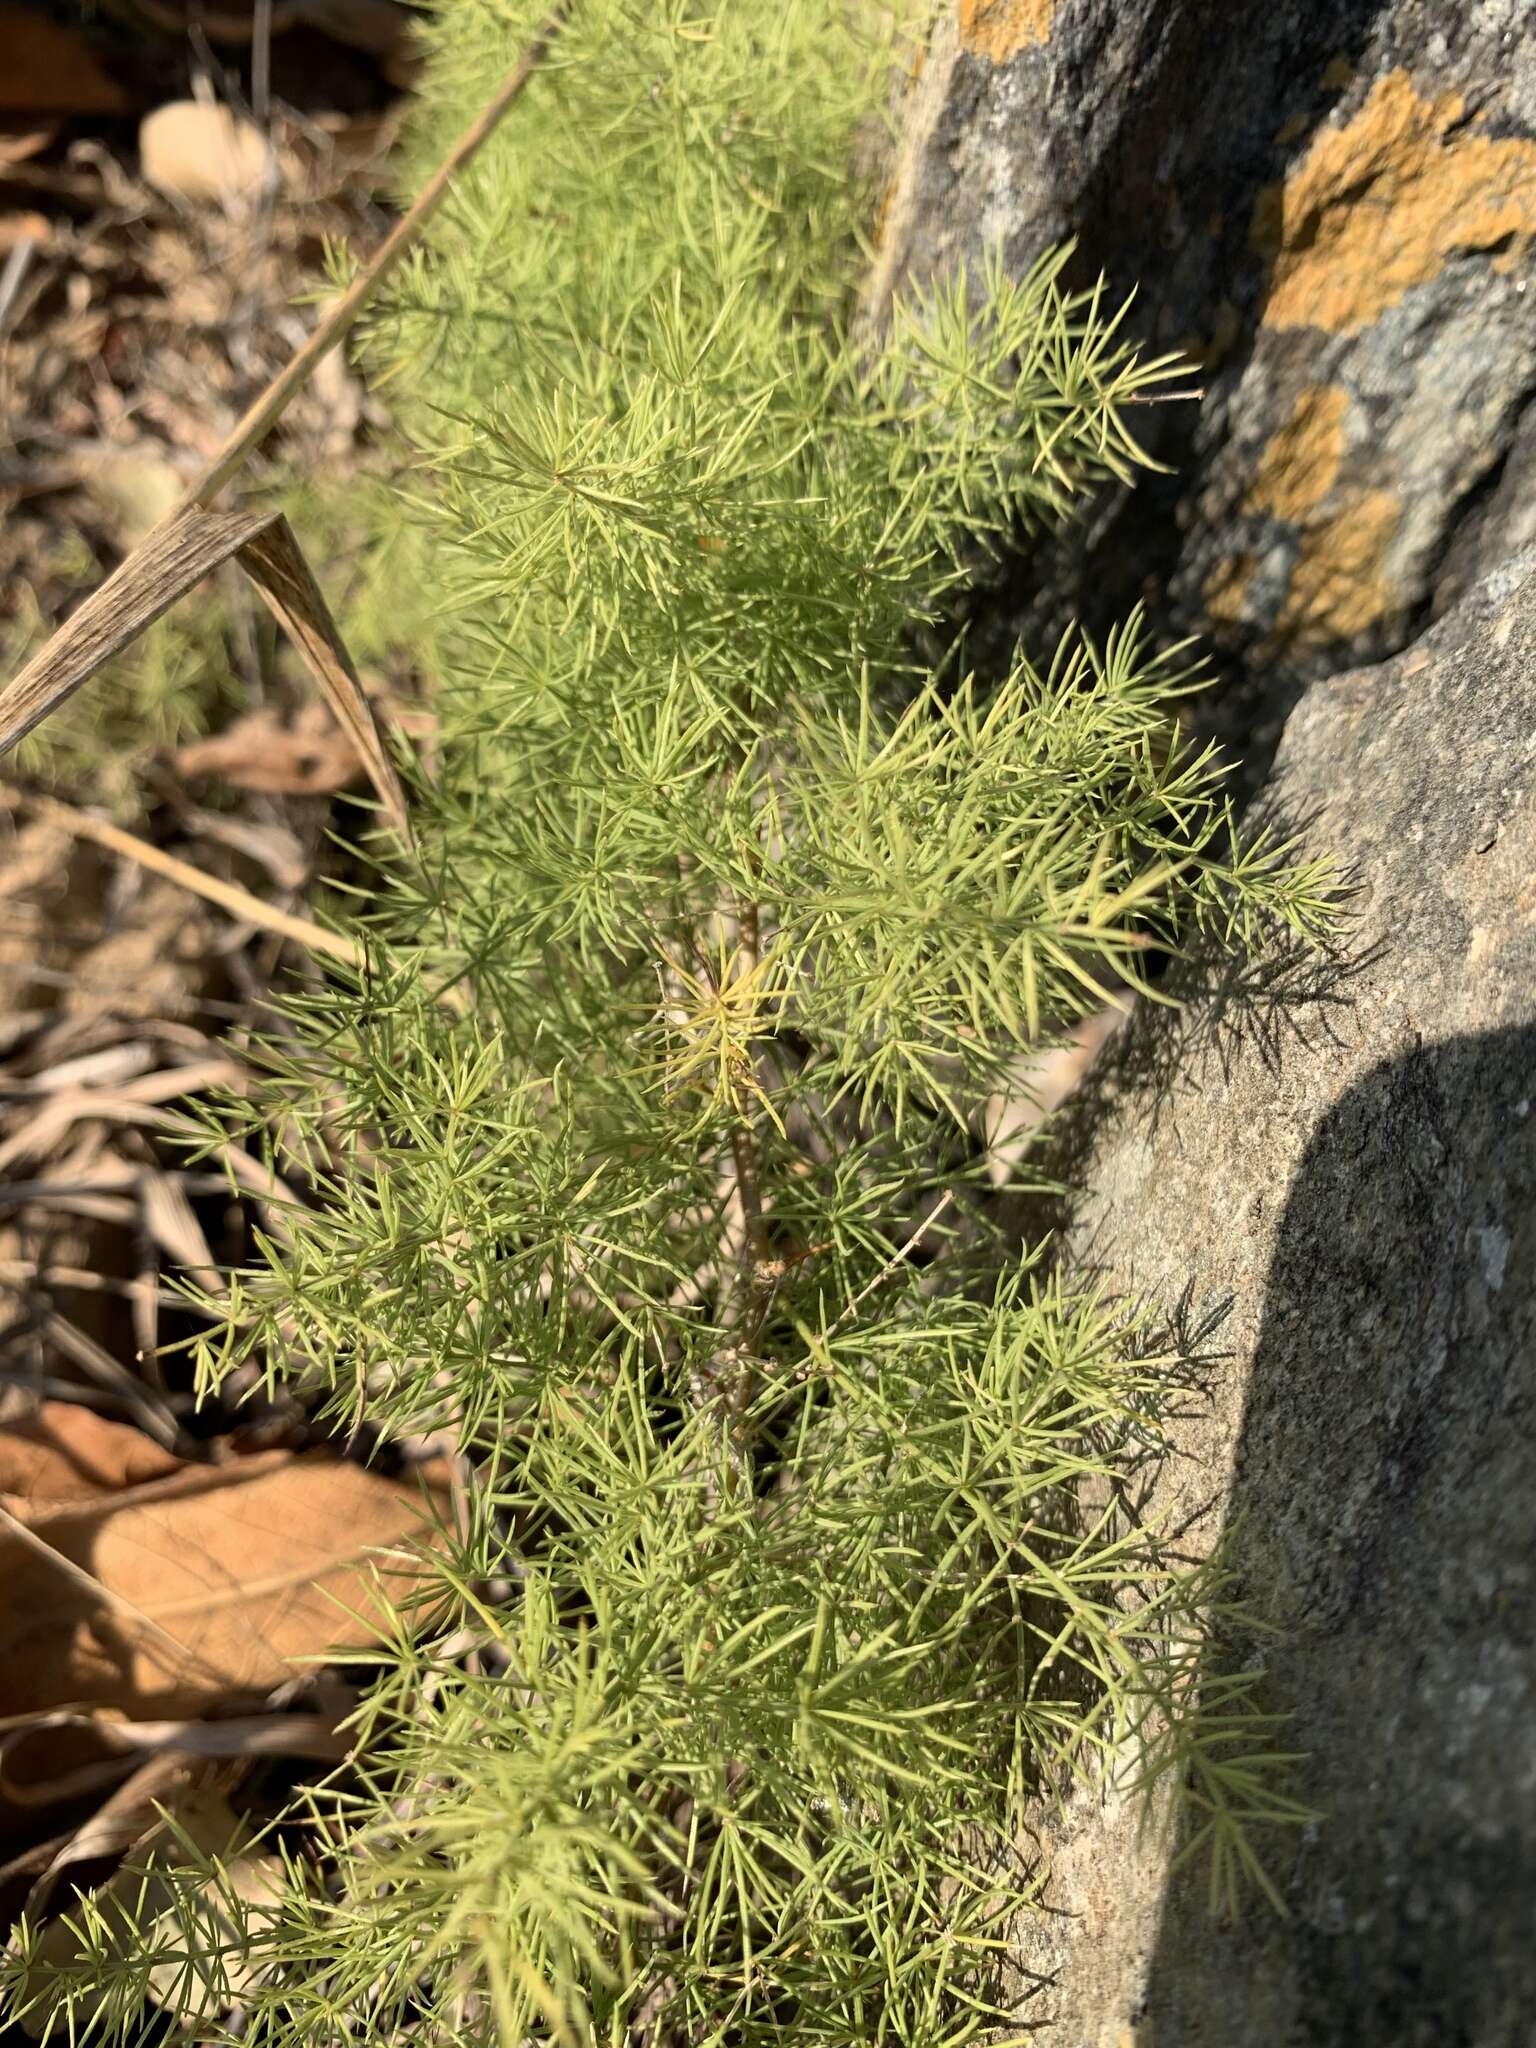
x,y
643,1158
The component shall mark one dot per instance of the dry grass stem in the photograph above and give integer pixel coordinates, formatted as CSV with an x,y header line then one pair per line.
x,y
228,895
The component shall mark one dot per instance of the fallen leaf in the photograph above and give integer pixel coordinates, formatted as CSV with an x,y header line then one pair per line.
x,y
204,1584
51,69
311,757
1039,1083
66,1453
119,1821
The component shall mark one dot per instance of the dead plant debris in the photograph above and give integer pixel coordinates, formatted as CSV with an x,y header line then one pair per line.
x,y
171,1577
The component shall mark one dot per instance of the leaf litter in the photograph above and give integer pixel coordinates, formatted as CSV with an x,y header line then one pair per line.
x,y
198,1584
172,1581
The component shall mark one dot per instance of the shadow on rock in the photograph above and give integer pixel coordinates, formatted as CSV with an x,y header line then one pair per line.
x,y
1385,1497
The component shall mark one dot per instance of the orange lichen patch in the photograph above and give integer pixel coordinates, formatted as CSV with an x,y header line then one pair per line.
x,y
1226,589
999,29
1340,587
1380,204
1300,466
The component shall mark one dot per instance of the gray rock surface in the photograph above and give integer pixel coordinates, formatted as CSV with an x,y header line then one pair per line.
x,y
1349,1159
1331,204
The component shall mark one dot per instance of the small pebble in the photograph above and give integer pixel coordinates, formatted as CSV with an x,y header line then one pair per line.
x,y
202,152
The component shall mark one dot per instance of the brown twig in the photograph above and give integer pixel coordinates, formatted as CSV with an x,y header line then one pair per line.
x,y
898,1258
732,1376
1166,397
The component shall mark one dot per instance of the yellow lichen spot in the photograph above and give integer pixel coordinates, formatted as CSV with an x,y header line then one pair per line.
x,y
999,29
1337,73
1300,466
1226,589
1380,204
1340,587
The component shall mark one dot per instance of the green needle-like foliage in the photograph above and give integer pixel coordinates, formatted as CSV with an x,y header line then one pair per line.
x,y
792,1561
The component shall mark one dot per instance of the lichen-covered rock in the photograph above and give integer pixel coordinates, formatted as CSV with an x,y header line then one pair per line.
x,y
1348,1157
1331,205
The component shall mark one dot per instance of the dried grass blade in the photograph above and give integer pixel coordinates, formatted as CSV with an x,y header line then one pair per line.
x,y
172,560
152,1416
41,1276
164,564
240,902
275,563
138,1104
172,1222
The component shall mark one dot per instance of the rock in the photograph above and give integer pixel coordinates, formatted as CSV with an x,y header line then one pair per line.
x,y
1332,206
202,151
1347,1156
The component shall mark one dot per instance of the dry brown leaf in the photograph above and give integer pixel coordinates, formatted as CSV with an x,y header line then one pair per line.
x,y
120,1821
66,1453
52,69
377,26
246,1567
1039,1083
312,757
